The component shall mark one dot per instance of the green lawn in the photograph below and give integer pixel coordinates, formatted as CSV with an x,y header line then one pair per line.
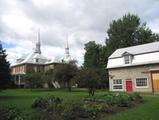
x,y
147,111
23,98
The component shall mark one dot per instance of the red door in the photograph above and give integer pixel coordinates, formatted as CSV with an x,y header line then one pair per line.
x,y
129,86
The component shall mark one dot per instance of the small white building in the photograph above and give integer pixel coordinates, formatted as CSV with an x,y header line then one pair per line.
x,y
135,68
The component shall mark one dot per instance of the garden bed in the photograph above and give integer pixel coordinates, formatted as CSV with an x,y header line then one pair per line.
x,y
90,108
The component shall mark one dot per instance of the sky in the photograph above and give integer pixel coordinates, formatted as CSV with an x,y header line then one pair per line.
x,y
79,21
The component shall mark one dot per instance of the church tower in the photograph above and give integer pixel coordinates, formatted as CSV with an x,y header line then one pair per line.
x,y
67,58
67,53
0,45
38,45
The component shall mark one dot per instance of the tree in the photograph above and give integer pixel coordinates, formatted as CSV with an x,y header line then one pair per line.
x,y
96,58
124,32
5,76
128,31
49,76
88,77
34,80
91,57
64,74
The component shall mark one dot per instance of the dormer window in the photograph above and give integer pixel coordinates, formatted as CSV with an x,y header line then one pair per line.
x,y
127,58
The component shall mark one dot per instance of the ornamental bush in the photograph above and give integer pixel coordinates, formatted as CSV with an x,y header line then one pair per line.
x,y
53,108
68,113
123,100
136,97
46,103
93,108
40,103
113,99
10,113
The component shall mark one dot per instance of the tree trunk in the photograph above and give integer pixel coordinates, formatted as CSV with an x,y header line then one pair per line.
x,y
69,87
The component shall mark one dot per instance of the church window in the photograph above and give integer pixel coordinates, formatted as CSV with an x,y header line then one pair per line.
x,y
36,60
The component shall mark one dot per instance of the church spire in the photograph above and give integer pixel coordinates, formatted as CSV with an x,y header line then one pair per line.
x,y
67,43
67,53
67,58
0,45
38,45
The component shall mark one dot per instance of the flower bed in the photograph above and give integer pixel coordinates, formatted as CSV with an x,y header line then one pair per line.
x,y
91,108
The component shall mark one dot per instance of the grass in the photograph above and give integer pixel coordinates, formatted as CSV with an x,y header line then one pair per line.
x,y
23,98
147,111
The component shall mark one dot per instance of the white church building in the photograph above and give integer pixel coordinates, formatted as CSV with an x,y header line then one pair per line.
x,y
36,62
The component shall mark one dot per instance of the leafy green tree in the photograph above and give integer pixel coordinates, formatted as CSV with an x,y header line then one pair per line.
x,y
34,80
96,58
91,57
124,32
5,76
64,74
89,78
49,76
128,31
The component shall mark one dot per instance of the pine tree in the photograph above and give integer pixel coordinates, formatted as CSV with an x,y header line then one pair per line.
x,y
5,76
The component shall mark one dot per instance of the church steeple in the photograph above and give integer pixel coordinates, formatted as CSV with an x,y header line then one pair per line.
x,y
38,45
0,45
67,53
67,58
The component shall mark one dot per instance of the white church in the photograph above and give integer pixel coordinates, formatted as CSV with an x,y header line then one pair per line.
x,y
36,62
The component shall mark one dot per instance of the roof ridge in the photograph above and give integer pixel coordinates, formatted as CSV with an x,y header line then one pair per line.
x,y
138,45
138,49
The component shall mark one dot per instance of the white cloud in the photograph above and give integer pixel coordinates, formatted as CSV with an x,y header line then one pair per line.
x,y
18,23
82,20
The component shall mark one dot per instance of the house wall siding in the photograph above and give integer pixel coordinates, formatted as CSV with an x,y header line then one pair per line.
x,y
52,66
18,69
132,73
48,67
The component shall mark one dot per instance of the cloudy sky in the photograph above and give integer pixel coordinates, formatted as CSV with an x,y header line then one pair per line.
x,y
80,20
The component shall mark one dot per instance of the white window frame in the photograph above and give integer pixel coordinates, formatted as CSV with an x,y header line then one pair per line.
x,y
129,59
141,86
117,84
